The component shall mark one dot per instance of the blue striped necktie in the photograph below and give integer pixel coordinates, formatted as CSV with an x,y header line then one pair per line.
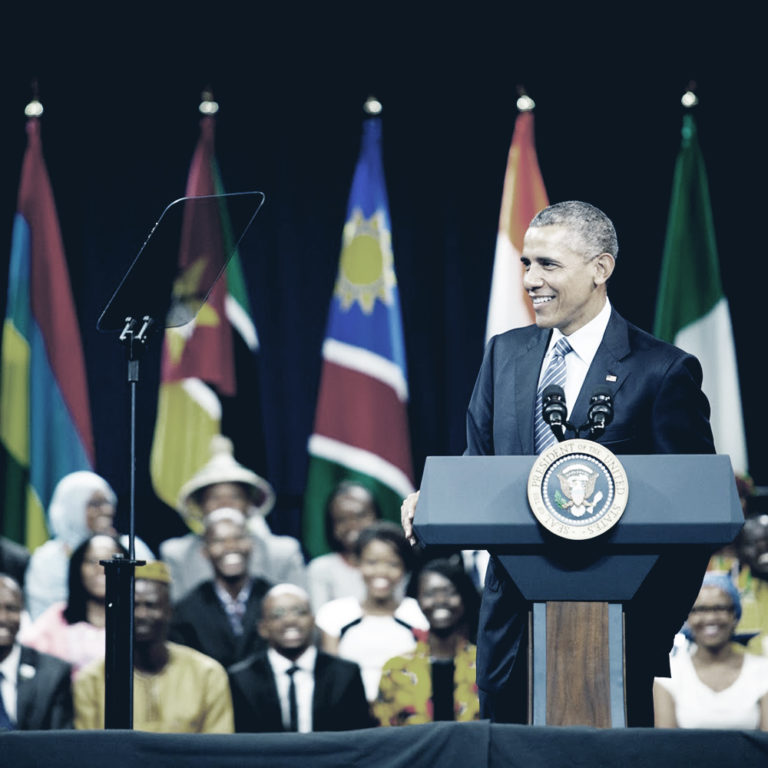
x,y
554,374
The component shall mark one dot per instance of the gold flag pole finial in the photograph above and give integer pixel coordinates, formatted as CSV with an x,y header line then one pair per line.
x,y
207,105
34,108
690,99
524,102
372,106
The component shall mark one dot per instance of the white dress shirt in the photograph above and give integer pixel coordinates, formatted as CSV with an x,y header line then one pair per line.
x,y
476,558
584,344
304,680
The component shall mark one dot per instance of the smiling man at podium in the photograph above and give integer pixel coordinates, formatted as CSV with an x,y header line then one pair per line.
x,y
579,342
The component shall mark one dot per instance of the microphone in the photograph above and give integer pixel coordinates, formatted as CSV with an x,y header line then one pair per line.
x,y
553,409
600,413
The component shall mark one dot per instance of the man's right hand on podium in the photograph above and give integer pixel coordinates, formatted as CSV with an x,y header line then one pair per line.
x,y
407,511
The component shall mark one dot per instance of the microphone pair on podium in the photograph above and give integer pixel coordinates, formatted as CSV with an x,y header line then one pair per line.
x,y
554,412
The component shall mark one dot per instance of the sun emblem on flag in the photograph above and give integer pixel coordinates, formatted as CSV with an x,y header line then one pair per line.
x,y
366,268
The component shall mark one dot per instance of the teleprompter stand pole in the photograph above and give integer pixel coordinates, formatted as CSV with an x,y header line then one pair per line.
x,y
158,291
121,571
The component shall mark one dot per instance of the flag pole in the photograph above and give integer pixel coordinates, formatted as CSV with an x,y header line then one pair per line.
x,y
524,102
34,108
207,105
689,99
372,107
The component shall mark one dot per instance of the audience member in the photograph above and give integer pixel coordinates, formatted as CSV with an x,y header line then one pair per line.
x,y
223,482
220,617
380,626
74,630
175,689
726,559
716,685
14,559
292,686
350,508
82,503
35,691
752,545
436,680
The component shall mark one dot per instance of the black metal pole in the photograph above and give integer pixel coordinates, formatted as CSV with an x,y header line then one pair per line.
x,y
121,573
118,657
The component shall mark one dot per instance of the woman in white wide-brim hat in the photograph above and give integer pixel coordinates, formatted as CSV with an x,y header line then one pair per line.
x,y
224,482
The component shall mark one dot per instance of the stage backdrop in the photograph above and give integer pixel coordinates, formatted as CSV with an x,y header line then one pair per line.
x,y
121,123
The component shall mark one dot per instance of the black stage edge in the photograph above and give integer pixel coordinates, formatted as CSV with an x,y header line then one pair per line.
x,y
446,745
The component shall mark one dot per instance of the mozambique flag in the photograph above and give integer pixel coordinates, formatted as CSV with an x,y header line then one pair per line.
x,y
198,361
45,416
692,310
361,424
523,197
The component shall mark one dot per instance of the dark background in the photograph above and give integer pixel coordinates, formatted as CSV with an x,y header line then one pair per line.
x,y
121,84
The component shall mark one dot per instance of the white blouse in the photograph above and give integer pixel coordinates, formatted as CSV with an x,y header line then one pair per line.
x,y
698,706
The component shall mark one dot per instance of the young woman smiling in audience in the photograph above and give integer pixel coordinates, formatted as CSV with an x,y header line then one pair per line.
x,y
717,684
381,625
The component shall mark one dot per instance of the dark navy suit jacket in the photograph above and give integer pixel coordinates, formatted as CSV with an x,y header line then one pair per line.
x,y
43,692
658,408
200,622
338,702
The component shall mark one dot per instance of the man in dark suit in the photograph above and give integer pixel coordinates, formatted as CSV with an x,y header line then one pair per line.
x,y
220,617
292,686
569,253
35,690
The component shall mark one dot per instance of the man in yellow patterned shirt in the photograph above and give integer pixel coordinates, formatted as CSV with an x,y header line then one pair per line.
x,y
175,689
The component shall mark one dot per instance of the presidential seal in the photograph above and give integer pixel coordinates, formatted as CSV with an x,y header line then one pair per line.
x,y
577,489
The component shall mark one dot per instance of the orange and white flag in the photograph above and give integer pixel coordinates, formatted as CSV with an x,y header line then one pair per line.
x,y
523,197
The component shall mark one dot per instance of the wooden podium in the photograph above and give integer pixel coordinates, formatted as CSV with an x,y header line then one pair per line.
x,y
578,588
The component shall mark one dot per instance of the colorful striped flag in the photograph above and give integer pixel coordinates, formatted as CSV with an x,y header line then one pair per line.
x,y
691,310
361,423
523,197
45,416
198,358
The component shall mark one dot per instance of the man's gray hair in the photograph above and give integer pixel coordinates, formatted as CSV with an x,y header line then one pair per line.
x,y
286,588
595,229
224,513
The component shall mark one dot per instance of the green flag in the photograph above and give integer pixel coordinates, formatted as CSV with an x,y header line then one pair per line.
x,y
692,310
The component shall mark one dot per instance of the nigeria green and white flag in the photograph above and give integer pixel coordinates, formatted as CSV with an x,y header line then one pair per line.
x,y
692,310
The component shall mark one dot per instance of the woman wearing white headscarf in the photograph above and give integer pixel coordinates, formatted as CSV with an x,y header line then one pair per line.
x,y
83,503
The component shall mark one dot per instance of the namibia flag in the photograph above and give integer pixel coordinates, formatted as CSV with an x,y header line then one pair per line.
x,y
361,423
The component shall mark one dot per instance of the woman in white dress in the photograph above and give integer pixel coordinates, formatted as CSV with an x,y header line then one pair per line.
x,y
716,684
372,630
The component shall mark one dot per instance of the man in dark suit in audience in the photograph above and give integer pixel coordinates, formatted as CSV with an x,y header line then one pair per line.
x,y
292,686
220,617
35,690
